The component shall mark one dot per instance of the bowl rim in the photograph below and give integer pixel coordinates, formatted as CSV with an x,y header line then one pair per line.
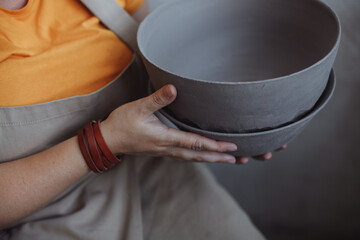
x,y
320,104
154,13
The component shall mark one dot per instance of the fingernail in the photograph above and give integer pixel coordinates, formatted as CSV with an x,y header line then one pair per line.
x,y
230,159
268,156
169,93
231,148
244,160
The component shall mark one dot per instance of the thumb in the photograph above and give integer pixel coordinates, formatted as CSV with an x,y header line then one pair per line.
x,y
159,99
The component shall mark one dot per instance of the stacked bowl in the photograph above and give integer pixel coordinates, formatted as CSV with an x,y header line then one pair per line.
x,y
252,72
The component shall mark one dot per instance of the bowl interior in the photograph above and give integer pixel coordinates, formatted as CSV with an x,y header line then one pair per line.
x,y
238,40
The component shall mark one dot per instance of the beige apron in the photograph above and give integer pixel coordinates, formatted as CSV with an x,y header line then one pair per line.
x,y
141,198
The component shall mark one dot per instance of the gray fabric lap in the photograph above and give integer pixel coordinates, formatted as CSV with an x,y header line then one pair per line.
x,y
184,201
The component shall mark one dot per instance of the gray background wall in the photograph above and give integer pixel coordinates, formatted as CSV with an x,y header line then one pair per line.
x,y
312,189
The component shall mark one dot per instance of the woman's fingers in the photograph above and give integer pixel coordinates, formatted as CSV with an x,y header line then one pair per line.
x,y
281,148
266,156
201,156
159,99
196,142
242,160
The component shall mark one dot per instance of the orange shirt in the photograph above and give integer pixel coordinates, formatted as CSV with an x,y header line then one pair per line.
x,y
56,49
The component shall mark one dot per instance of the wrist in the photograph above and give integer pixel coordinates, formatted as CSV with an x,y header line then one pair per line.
x,y
108,135
94,148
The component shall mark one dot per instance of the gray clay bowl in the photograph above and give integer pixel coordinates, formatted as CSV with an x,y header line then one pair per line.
x,y
240,65
252,144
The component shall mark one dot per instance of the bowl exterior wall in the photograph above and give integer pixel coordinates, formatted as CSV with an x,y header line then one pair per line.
x,y
245,107
247,145
258,145
252,144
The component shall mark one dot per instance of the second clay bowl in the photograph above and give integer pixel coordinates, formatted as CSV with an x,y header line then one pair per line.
x,y
257,143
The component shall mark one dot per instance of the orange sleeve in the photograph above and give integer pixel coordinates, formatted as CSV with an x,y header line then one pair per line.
x,y
131,6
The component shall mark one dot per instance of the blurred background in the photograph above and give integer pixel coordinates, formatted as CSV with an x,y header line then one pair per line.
x,y
312,189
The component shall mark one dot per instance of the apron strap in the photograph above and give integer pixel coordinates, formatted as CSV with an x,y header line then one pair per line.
x,y
116,19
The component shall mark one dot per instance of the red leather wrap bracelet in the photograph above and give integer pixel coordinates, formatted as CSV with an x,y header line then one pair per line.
x,y
94,149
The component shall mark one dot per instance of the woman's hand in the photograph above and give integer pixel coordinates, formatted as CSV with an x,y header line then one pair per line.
x,y
134,129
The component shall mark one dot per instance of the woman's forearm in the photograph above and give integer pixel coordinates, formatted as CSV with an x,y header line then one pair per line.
x,y
30,183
